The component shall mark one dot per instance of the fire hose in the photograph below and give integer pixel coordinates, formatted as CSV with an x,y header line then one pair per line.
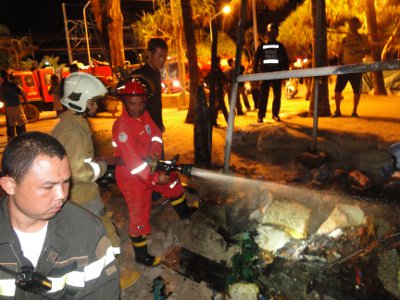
x,y
155,164
168,166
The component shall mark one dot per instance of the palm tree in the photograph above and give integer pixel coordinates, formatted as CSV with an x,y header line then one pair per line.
x,y
14,51
109,20
320,58
197,103
376,48
252,7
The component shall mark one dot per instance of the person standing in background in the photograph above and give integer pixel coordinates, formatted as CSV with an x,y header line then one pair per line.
x,y
352,50
54,90
15,115
241,93
270,56
254,85
151,71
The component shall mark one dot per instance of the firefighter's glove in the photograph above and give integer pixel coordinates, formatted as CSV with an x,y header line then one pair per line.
x,y
152,162
108,177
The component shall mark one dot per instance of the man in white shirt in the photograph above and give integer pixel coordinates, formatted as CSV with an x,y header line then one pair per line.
x,y
55,248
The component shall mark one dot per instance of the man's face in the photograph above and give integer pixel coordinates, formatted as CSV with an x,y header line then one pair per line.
x,y
157,58
135,105
354,26
272,34
42,192
91,108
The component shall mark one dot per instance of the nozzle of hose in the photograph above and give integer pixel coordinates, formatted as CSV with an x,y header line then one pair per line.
x,y
184,169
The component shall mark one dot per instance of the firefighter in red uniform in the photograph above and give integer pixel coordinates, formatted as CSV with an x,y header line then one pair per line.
x,y
137,141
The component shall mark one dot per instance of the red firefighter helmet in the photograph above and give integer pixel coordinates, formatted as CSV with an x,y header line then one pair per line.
x,y
133,86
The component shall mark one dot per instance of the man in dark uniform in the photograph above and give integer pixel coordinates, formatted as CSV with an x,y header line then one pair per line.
x,y
270,56
157,55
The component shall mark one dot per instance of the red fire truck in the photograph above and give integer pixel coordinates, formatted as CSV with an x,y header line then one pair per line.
x,y
36,86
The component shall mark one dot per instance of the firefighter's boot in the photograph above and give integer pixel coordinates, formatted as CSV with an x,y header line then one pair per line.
x,y
128,273
182,209
141,255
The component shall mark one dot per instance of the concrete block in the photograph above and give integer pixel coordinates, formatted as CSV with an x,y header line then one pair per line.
x,y
342,216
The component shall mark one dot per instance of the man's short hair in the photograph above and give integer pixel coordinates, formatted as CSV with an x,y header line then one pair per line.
x,y
155,43
356,21
22,150
4,74
73,68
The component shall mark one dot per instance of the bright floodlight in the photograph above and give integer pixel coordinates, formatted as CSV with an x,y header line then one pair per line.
x,y
226,9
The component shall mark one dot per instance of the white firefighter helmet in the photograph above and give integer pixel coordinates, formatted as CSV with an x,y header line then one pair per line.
x,y
395,150
80,87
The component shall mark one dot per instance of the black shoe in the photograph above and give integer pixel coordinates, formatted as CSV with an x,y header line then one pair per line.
x,y
354,115
276,118
141,255
148,260
336,115
260,120
182,209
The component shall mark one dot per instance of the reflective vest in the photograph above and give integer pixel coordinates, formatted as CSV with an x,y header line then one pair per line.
x,y
77,257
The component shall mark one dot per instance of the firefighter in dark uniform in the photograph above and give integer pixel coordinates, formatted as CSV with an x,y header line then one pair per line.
x,y
270,56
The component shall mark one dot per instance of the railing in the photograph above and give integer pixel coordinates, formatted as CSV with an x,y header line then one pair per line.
x,y
312,72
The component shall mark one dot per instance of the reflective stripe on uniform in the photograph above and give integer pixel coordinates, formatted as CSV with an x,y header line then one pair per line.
x,y
140,244
156,139
74,278
7,287
95,166
172,185
139,169
94,270
116,250
270,61
178,201
270,46
78,278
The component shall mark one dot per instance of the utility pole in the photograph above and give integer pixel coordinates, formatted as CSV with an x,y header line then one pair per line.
x,y
179,52
70,59
86,34
255,24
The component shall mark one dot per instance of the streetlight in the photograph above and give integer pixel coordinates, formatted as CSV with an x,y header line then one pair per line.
x,y
225,10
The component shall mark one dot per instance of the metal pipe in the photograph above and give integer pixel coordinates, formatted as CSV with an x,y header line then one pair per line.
x,y
323,71
86,34
70,59
233,96
315,115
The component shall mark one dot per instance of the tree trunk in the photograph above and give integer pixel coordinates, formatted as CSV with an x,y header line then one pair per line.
x,y
320,58
391,42
376,49
115,32
110,23
197,109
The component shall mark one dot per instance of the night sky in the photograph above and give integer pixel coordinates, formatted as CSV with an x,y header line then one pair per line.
x,y
43,20
45,16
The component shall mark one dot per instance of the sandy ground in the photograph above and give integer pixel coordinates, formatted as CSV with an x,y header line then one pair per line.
x,y
379,115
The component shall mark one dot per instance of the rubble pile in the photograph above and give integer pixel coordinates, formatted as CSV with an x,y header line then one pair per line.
x,y
311,244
